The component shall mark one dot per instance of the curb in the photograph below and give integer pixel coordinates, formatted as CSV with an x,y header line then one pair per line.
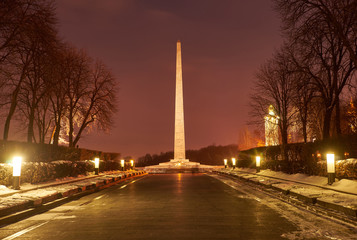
x,y
33,206
295,191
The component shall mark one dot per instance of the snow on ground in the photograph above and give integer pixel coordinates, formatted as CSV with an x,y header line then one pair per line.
x,y
344,185
310,226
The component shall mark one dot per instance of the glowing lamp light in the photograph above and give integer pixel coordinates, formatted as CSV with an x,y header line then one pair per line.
x,y
225,163
257,161
330,163
330,168
16,166
96,162
122,162
179,164
234,163
132,163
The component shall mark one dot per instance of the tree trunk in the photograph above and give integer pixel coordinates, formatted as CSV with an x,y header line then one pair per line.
x,y
338,117
327,123
304,131
30,133
12,109
56,134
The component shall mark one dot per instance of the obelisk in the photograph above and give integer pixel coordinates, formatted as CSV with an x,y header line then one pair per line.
x,y
179,148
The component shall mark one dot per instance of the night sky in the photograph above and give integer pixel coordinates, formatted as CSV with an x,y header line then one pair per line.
x,y
223,45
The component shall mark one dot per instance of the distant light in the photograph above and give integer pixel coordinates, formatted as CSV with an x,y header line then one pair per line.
x,y
257,161
122,162
330,163
16,166
132,163
225,162
96,162
233,161
179,164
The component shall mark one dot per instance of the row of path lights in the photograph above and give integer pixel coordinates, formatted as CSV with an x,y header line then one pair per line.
x,y
122,164
17,162
331,172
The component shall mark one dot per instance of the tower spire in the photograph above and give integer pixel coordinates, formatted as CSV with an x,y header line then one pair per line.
x,y
179,148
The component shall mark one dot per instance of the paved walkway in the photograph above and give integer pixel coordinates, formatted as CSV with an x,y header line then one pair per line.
x,y
167,206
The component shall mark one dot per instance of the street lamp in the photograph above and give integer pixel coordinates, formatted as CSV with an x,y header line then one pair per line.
x,y
234,163
331,174
225,163
132,163
96,166
257,163
122,162
16,171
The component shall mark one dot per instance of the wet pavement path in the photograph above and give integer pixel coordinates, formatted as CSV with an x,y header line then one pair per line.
x,y
165,206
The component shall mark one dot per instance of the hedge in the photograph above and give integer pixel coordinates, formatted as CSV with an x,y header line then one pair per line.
x,y
307,158
37,172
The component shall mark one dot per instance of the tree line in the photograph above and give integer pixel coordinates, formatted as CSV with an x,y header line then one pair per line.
x,y
211,155
49,89
311,77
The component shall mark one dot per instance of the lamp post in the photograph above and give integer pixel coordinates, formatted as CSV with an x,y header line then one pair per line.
x,y
331,174
16,171
132,164
257,163
122,162
96,166
234,163
225,163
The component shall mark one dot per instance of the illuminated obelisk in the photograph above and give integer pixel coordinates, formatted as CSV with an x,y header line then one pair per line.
x,y
179,148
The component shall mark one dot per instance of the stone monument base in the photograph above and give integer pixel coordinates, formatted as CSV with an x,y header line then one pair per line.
x,y
179,166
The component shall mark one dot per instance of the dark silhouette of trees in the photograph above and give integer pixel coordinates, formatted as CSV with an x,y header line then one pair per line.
x,y
26,27
275,85
211,155
324,31
318,60
55,90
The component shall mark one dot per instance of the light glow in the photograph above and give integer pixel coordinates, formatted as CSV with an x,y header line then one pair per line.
x,y
122,162
132,163
330,163
16,166
257,161
233,161
225,162
96,162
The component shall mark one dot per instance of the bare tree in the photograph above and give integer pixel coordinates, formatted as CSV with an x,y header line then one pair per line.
x,y
325,57
64,74
275,86
303,88
98,105
32,27
339,17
